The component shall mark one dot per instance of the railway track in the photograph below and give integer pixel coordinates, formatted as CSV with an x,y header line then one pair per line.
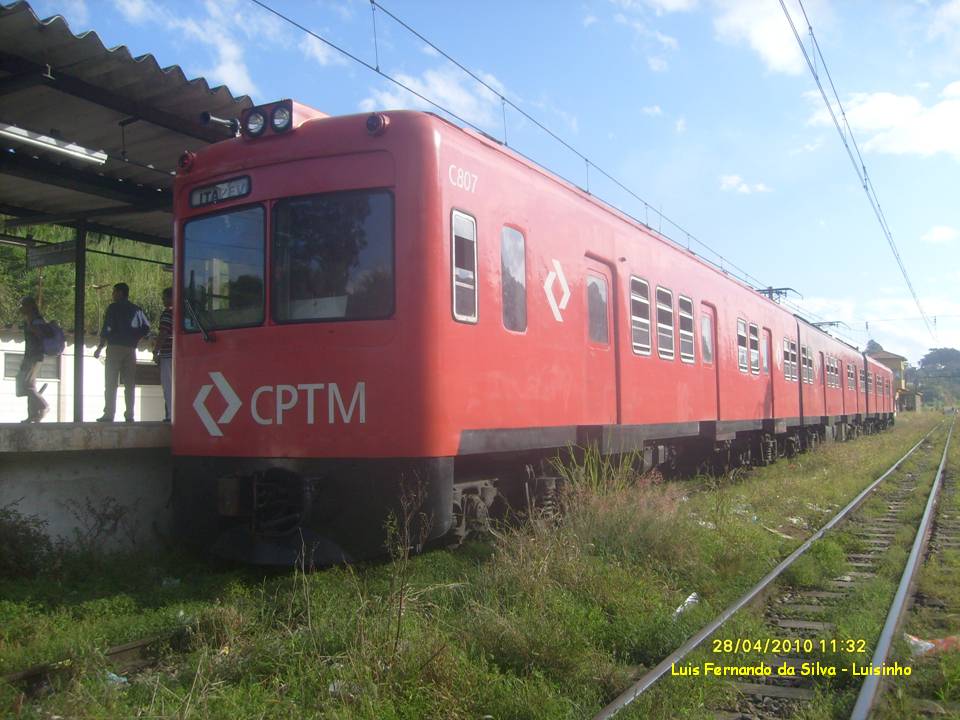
x,y
938,535
801,655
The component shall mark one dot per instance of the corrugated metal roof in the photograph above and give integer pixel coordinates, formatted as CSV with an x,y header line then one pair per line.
x,y
71,87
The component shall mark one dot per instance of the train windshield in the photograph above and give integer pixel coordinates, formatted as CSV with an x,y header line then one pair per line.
x,y
333,257
223,270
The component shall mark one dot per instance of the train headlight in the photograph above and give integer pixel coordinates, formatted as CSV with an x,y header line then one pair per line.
x,y
256,122
377,124
281,119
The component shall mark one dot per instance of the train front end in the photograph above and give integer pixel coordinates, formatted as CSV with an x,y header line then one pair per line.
x,y
300,356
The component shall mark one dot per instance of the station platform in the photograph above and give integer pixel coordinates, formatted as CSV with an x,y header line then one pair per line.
x,y
64,437
102,485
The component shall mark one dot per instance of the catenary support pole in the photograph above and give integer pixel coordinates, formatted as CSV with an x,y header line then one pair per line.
x,y
79,308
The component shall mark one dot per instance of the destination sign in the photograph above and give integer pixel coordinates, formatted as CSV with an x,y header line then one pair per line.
x,y
56,254
227,190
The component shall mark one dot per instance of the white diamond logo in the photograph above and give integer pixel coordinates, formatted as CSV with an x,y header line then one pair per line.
x,y
233,404
557,274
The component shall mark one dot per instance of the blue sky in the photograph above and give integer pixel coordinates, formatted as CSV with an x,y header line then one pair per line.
x,y
703,108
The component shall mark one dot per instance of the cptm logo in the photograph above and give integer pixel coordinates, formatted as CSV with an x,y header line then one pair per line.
x,y
270,403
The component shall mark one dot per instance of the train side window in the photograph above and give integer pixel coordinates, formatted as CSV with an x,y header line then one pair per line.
x,y
742,344
754,349
851,378
793,361
640,315
804,358
706,338
464,267
765,352
687,346
665,346
597,309
513,279
786,360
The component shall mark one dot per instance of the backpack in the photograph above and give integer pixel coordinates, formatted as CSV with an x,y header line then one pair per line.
x,y
54,340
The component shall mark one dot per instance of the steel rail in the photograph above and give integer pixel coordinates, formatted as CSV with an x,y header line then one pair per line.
x,y
651,676
871,686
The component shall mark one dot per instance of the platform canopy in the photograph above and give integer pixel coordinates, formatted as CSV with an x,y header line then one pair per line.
x,y
91,135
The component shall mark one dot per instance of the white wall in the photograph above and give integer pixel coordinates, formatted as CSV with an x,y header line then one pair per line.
x,y
148,404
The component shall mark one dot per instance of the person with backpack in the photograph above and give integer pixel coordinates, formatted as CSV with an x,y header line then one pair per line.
x,y
163,351
35,330
124,324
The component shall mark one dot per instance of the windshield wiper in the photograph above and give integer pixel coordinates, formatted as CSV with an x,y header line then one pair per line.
x,y
207,336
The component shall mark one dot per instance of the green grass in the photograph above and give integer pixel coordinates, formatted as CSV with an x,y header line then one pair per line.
x,y
542,621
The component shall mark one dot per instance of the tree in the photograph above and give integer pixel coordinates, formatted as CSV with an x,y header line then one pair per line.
x,y
873,346
53,285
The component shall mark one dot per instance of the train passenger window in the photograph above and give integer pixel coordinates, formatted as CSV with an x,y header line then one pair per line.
x,y
687,346
765,352
333,257
640,315
597,309
223,269
706,338
464,267
742,345
787,374
754,349
793,361
665,346
851,377
807,364
513,279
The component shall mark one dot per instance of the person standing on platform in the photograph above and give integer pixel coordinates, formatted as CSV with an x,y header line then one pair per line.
x,y
34,329
163,352
124,324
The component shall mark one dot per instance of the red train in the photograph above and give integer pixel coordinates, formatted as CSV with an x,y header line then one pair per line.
x,y
372,303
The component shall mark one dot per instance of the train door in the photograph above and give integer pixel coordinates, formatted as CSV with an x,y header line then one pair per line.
x,y
710,357
823,383
766,355
601,389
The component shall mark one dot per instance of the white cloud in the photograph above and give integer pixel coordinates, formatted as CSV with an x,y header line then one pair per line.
x,y
138,11
589,20
940,235
670,43
217,30
735,183
762,25
446,86
902,124
430,51
680,125
951,91
809,147
77,11
319,51
893,320
648,37
946,19
669,6
651,110
657,64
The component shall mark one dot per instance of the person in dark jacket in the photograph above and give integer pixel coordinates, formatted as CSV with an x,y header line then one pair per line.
x,y
163,351
34,329
124,324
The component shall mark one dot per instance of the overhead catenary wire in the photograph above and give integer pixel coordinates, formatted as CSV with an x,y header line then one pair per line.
x,y
850,144
724,263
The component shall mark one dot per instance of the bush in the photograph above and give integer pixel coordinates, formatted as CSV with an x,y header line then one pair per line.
x,y
24,546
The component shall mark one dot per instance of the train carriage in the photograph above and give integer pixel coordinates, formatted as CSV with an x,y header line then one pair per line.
x,y
385,307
